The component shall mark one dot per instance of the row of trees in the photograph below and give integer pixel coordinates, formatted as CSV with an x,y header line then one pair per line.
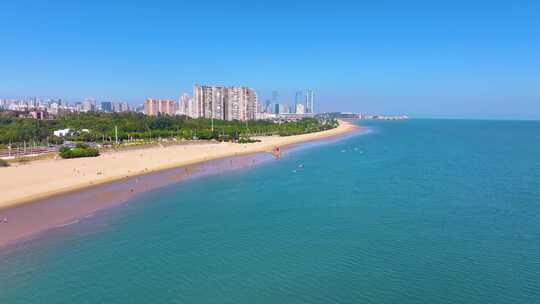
x,y
81,150
132,125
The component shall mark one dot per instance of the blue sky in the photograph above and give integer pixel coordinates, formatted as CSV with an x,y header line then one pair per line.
x,y
423,58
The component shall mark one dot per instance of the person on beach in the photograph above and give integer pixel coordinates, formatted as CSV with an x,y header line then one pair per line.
x,y
277,152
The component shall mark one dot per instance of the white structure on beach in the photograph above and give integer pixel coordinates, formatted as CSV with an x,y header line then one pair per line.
x,y
61,132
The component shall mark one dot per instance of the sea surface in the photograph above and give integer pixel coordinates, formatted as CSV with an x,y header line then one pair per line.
x,y
419,211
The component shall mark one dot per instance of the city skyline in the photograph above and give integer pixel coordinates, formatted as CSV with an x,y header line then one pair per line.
x,y
289,98
206,101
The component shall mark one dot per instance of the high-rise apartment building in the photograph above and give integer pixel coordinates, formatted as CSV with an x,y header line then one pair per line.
x,y
253,104
218,102
186,106
241,104
207,101
154,107
234,104
227,103
167,106
120,107
151,107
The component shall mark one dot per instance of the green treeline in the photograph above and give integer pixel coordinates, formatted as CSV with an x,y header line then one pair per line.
x,y
81,150
131,125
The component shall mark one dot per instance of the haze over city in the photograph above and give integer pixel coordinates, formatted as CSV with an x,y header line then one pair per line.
x,y
426,59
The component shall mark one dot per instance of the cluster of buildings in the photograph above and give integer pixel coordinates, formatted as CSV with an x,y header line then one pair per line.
x,y
48,108
229,103
207,101
217,102
303,104
91,105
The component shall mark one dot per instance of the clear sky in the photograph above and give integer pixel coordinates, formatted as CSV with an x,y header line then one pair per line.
x,y
424,58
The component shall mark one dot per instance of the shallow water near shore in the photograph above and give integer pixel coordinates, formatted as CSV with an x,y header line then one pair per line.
x,y
28,221
421,211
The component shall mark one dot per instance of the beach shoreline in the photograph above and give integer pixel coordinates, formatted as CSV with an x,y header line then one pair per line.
x,y
27,183
46,210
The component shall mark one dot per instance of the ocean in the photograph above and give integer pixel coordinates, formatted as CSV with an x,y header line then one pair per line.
x,y
418,211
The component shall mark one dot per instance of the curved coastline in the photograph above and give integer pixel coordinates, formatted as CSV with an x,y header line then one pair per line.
x,y
37,211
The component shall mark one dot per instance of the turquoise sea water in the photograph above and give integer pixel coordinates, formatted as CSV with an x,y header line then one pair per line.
x,y
422,211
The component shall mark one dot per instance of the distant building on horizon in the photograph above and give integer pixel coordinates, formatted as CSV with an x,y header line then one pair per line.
x,y
88,105
120,107
106,106
300,108
298,98
275,97
280,108
267,106
310,96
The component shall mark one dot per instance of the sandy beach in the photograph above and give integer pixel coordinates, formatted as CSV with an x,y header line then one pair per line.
x,y
36,180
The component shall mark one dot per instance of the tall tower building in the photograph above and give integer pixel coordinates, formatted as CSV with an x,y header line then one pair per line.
x,y
310,101
275,97
267,106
